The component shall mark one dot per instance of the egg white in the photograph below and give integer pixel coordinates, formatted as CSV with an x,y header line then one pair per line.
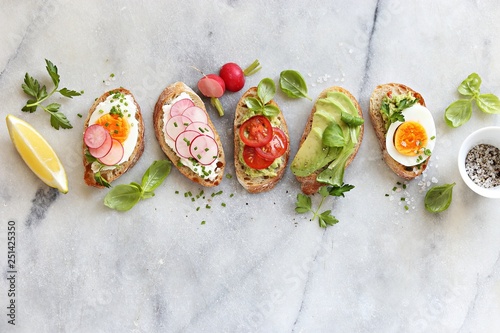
x,y
105,107
420,114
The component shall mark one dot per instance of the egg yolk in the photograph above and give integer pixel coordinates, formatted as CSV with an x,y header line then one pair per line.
x,y
117,126
410,138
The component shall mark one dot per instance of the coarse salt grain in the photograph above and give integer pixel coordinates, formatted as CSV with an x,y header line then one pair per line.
x,y
482,165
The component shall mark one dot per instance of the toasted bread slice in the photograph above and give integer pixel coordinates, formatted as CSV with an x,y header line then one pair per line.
x,y
256,183
378,123
309,184
111,174
166,97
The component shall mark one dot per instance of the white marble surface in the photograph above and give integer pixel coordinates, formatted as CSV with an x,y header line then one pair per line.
x,y
256,265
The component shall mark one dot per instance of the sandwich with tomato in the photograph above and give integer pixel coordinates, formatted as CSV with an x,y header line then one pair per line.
x,y
261,139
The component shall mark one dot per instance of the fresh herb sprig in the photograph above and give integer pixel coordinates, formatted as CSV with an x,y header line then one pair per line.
x,y
325,218
293,84
123,197
460,111
266,89
39,94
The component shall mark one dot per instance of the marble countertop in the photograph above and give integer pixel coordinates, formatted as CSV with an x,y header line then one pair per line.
x,y
254,265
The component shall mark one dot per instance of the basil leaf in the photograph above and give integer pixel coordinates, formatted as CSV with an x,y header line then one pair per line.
x,y
488,103
293,84
266,90
303,204
155,175
270,110
351,120
470,86
253,103
438,198
458,112
333,136
122,197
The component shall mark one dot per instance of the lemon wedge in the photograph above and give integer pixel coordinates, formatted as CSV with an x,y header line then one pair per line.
x,y
37,153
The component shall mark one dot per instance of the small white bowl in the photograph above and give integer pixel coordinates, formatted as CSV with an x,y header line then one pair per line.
x,y
486,135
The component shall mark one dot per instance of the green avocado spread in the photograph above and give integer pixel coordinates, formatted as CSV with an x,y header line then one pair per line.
x,y
334,134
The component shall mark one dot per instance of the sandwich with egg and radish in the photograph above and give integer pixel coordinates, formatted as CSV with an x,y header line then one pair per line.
x,y
330,141
404,128
113,138
187,136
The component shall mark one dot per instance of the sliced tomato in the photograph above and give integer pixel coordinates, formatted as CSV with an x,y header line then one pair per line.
x,y
256,131
276,147
253,160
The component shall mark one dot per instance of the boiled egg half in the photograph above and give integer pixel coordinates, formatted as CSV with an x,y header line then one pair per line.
x,y
411,142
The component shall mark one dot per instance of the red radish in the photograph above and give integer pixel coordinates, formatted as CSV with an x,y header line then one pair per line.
x,y
201,128
234,76
176,125
212,85
183,143
204,149
103,149
195,114
178,107
95,135
114,156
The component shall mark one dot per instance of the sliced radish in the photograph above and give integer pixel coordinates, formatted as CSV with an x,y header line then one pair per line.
x,y
95,135
179,106
212,85
103,149
114,156
204,149
195,114
183,143
176,125
201,128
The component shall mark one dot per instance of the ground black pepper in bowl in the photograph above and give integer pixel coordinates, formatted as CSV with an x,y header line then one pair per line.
x,y
482,165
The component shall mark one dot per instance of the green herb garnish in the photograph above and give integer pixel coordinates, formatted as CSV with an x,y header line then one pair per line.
x,y
32,87
325,218
460,111
293,84
266,90
392,108
438,198
123,197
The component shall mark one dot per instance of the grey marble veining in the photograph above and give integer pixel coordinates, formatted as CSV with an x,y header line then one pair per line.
x,y
255,265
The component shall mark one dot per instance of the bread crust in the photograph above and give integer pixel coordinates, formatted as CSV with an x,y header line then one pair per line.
x,y
256,184
309,184
112,175
378,124
166,96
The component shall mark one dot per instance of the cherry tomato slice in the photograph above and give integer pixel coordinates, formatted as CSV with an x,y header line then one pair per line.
x,y
253,160
275,148
256,131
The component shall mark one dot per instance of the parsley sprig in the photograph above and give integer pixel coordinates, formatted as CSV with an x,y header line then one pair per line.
x,y
39,94
325,218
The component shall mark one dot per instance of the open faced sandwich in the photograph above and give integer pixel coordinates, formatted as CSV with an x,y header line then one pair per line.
x,y
330,141
187,135
261,142
113,138
404,127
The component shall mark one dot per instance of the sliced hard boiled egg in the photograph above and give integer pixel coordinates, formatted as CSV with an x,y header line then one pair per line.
x,y
412,141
